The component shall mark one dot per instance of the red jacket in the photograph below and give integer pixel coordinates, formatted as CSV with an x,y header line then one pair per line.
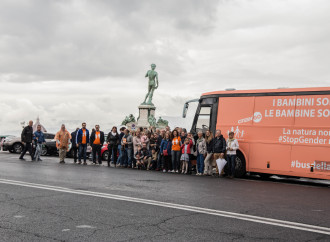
x,y
188,148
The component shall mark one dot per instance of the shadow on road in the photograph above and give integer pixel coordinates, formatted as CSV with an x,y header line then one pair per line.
x,y
298,181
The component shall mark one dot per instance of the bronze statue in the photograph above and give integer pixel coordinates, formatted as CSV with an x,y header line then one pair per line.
x,y
152,121
152,85
162,122
128,119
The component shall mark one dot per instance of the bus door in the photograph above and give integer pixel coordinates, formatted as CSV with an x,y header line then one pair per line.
x,y
206,115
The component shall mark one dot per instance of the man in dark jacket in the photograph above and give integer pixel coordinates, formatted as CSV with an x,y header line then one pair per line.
x,y
97,140
27,137
74,144
82,141
219,145
113,141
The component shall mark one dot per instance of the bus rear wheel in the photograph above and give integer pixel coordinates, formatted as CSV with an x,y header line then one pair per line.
x,y
240,168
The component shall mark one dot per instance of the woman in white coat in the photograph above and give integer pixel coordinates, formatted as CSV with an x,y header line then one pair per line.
x,y
232,146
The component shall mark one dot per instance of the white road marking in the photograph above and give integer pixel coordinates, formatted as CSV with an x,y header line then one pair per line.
x,y
65,230
85,227
19,216
245,217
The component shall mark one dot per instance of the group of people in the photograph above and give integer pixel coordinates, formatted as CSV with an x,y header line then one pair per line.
x,y
28,137
145,148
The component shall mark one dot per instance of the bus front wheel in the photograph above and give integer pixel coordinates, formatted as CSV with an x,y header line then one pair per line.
x,y
240,168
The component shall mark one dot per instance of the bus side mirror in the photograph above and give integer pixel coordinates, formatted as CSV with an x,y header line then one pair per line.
x,y
185,109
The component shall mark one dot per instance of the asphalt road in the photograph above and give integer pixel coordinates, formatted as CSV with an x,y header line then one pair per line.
x,y
47,201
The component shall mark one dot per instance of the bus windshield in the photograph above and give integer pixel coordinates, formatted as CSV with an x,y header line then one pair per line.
x,y
203,121
186,106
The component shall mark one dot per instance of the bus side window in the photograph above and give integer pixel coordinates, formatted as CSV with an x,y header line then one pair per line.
x,y
203,121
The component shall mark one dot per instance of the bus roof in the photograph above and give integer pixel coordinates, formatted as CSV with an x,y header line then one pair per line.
x,y
279,90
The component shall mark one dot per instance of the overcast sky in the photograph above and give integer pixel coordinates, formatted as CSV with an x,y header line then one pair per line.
x,y
73,61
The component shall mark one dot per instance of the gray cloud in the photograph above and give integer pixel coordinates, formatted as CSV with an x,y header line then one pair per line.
x,y
83,40
59,56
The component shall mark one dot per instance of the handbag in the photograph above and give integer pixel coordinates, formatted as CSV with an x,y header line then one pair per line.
x,y
165,153
221,164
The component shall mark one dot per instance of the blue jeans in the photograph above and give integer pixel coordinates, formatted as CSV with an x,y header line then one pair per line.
x,y
176,159
127,157
200,163
119,161
231,159
82,151
38,151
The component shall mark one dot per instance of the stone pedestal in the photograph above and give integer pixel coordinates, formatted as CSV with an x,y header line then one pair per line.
x,y
144,112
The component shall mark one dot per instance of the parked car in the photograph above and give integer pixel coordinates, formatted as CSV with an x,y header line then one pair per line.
x,y
105,152
88,152
2,139
13,144
50,147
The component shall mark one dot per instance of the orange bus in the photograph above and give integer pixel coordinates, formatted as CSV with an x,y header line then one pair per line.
x,y
280,131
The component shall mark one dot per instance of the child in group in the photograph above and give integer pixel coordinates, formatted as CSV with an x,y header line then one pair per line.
x,y
144,138
139,157
186,151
